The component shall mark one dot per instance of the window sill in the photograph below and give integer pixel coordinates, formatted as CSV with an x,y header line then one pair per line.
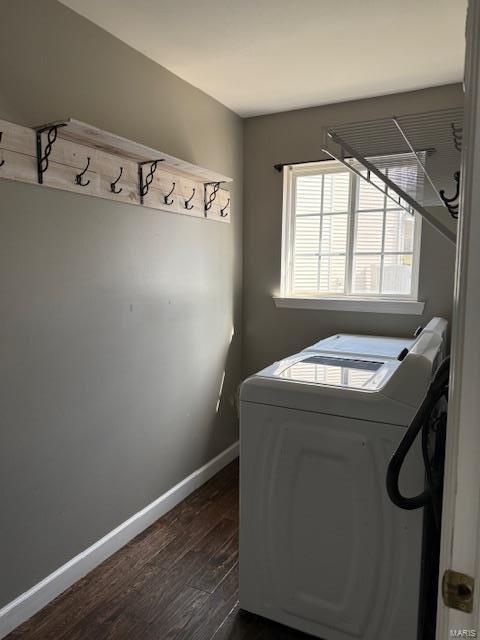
x,y
406,307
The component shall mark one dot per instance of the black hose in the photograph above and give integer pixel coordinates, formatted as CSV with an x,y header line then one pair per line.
x,y
438,388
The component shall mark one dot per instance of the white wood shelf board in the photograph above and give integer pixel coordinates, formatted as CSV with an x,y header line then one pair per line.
x,y
82,133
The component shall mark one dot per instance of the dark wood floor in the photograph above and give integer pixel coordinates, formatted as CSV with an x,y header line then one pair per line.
x,y
176,580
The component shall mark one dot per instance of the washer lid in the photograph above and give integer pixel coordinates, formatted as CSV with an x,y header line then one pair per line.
x,y
381,346
363,345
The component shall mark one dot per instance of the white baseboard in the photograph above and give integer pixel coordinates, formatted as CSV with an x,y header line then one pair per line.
x,y
28,603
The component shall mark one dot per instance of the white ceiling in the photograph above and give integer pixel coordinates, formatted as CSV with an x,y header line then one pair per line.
x,y
263,56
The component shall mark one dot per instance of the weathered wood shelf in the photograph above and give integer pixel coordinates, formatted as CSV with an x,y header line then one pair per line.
x,y
74,156
86,134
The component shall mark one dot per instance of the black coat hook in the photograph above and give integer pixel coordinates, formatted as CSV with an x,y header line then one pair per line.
x,y
78,177
450,203
165,198
113,185
187,202
3,161
222,211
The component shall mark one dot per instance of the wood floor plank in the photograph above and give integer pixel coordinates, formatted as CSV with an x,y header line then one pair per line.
x,y
215,487
209,576
123,627
94,621
215,537
203,529
240,625
178,580
192,518
208,618
87,595
165,608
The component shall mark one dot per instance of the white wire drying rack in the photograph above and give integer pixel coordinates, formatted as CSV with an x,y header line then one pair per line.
x,y
413,159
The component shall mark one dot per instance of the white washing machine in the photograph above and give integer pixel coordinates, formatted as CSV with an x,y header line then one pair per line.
x,y
322,549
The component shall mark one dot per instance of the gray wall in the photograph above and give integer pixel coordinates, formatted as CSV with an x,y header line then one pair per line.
x,y
115,321
270,333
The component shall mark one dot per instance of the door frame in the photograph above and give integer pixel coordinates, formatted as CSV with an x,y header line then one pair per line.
x,y
460,544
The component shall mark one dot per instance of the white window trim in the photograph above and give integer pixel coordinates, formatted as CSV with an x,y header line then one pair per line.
x,y
366,305
403,304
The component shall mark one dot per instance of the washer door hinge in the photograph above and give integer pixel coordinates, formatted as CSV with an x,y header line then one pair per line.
x,y
457,590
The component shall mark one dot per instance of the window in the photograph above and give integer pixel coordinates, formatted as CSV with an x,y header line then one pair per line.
x,y
345,239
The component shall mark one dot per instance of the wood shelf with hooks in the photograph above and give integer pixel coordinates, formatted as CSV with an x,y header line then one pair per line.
x,y
74,156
